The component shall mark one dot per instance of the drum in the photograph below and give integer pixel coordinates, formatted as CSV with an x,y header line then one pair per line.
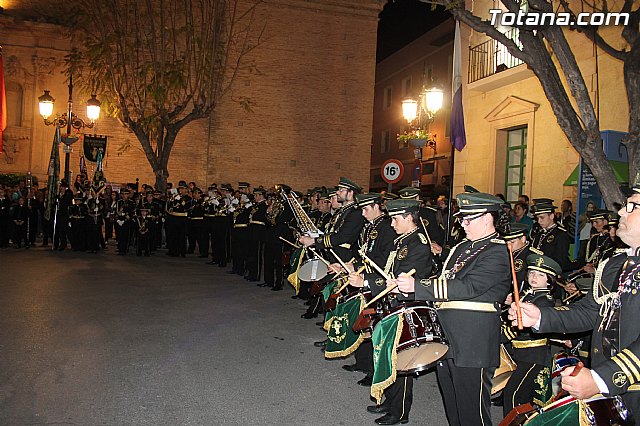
x,y
313,270
503,372
422,342
597,411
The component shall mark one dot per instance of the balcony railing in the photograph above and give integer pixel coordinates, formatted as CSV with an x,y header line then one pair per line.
x,y
492,57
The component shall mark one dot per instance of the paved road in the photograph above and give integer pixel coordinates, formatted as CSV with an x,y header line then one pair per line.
x,y
111,340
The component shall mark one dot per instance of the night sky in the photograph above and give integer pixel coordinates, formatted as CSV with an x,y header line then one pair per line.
x,y
402,21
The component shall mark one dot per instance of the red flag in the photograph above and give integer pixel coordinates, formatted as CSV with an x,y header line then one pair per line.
x,y
3,102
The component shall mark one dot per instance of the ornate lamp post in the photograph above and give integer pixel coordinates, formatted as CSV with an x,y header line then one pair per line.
x,y
69,120
419,113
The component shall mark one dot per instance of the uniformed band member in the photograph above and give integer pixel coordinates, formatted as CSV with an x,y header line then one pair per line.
x,y
276,254
257,235
125,209
530,350
610,310
517,238
143,229
598,243
376,241
475,280
345,225
428,214
551,239
77,220
411,250
197,228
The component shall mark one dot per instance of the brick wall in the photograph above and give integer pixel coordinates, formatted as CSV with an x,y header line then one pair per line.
x,y
313,101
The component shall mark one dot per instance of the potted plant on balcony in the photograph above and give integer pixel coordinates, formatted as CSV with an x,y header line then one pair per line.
x,y
418,138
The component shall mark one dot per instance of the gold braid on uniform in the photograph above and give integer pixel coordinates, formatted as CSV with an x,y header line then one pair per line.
x,y
607,300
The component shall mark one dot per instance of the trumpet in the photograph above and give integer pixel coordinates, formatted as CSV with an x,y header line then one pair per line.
x,y
306,225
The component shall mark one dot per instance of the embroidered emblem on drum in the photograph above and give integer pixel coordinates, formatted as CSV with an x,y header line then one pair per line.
x,y
636,277
619,379
425,282
550,238
403,252
379,282
518,265
374,234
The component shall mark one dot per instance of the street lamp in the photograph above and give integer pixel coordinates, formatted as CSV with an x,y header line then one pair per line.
x,y
69,120
419,113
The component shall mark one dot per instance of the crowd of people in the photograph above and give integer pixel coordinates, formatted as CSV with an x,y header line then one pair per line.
x,y
446,279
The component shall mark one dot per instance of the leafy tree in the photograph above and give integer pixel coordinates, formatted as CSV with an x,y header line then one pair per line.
x,y
545,49
160,64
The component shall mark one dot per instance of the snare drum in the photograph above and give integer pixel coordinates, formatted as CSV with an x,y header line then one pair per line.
x,y
596,411
422,342
313,270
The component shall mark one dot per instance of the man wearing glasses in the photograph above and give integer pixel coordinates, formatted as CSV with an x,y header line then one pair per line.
x,y
611,311
475,279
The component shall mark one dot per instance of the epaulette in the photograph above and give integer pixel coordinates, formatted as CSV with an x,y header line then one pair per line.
x,y
423,239
562,228
620,250
536,251
498,241
432,208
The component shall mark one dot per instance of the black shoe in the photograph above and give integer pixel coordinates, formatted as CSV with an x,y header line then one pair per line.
x,y
366,381
320,344
389,419
377,409
352,368
278,288
308,315
295,296
211,263
263,284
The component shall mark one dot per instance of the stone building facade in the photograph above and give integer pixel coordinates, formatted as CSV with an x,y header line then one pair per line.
x,y
312,103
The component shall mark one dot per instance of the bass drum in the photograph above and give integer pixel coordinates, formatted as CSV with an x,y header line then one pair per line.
x,y
313,270
422,342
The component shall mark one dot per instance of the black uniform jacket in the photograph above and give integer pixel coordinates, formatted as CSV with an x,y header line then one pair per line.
x,y
554,242
478,274
410,251
343,231
527,345
377,241
618,367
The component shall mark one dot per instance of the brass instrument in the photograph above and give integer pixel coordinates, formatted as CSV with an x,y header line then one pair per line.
x,y
276,207
306,225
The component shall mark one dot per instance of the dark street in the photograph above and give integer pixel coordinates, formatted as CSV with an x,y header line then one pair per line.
x,y
110,340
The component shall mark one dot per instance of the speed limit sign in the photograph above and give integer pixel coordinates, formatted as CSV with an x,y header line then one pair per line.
x,y
392,171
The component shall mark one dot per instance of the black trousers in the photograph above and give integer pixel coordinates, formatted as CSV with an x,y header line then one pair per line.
x,y
399,396
78,234
255,252
60,237
123,235
220,239
273,267
239,243
466,393
521,386
94,233
180,235
143,244
364,356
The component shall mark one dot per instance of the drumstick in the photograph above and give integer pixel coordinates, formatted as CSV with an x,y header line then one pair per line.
x,y
325,261
376,267
339,260
289,242
516,293
388,289
342,287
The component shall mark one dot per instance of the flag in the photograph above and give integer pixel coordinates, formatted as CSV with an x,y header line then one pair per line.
x,y
54,171
3,101
296,261
385,339
342,341
458,136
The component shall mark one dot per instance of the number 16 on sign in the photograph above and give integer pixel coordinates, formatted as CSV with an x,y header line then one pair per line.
x,y
392,171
